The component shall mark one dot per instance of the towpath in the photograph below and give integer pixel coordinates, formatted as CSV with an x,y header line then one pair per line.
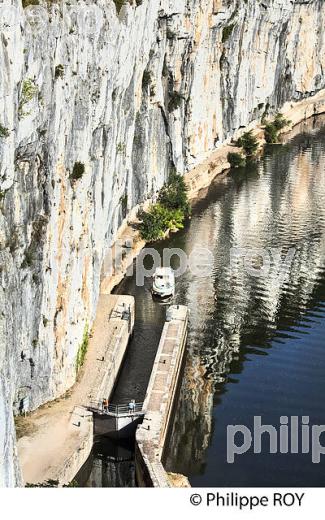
x,y
58,435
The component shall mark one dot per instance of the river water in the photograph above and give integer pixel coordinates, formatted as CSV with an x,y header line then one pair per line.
x,y
256,341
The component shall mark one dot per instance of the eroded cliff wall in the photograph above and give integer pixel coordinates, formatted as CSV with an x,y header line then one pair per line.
x,y
95,108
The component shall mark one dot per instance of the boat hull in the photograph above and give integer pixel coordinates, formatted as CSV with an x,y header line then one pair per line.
x,y
162,295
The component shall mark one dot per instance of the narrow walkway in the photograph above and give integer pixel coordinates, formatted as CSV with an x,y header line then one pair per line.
x,y
59,431
116,410
158,404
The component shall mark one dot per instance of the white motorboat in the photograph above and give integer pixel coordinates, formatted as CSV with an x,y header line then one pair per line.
x,y
163,282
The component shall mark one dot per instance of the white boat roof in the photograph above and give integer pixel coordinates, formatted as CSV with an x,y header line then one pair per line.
x,y
163,271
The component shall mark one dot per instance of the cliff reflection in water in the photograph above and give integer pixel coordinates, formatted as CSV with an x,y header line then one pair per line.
x,y
255,344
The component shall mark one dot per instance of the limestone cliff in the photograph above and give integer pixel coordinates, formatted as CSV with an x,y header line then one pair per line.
x,y
95,107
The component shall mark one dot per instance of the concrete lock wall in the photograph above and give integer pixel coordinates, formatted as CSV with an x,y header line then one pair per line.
x,y
119,427
124,330
158,404
117,342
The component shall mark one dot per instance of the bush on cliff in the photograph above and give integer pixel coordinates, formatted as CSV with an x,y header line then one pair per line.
x,y
28,92
169,213
173,195
248,143
270,133
4,132
59,71
27,3
236,160
82,350
77,171
272,129
158,220
119,4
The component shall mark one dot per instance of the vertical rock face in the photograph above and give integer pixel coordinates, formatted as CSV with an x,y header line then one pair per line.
x,y
95,108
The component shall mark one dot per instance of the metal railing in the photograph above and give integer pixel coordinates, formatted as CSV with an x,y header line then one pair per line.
x,y
116,410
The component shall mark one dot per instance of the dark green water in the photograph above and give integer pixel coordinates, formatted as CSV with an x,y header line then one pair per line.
x,y
256,344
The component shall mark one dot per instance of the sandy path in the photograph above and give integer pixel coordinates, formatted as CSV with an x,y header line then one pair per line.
x,y
54,430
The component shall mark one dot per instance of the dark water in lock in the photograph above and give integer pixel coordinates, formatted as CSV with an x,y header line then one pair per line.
x,y
256,341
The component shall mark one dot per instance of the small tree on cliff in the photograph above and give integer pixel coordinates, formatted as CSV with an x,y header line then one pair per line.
x,y
169,213
273,128
248,143
173,195
236,160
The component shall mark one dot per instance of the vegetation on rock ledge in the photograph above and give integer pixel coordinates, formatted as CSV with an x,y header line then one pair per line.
x,y
170,211
273,128
4,132
28,91
236,160
82,350
119,4
248,143
77,171
59,71
27,3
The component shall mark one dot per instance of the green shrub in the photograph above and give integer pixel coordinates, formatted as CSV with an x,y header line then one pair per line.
x,y
272,129
170,211
175,101
26,3
119,4
77,171
249,143
173,195
59,71
236,160
280,121
270,133
28,91
121,148
158,220
4,132
82,350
